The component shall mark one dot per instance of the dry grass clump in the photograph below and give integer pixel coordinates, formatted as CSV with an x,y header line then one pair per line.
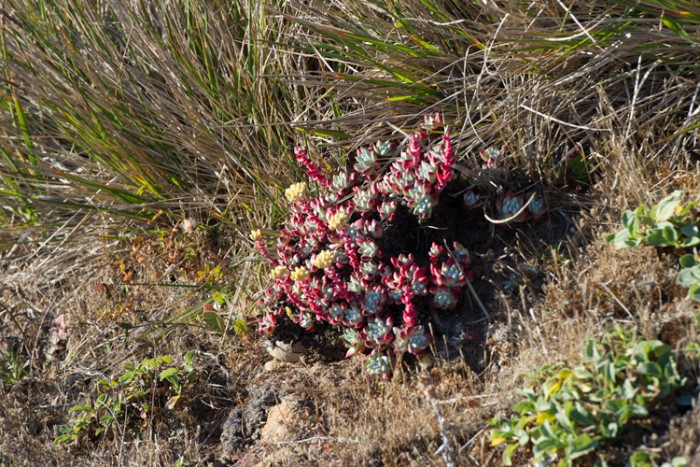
x,y
140,144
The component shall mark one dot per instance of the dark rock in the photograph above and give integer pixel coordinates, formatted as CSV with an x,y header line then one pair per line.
x,y
245,420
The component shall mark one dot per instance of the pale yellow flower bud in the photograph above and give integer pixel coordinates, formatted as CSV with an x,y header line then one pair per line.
x,y
295,191
278,272
255,234
324,259
338,220
299,274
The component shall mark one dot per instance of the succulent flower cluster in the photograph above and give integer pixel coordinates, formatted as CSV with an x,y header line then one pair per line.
x,y
330,266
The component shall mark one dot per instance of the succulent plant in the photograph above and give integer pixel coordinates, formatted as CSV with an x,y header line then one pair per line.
x,y
379,364
366,161
537,208
470,199
412,339
378,333
330,265
510,206
295,192
433,121
444,298
492,158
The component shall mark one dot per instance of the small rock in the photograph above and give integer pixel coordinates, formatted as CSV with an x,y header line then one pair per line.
x,y
284,351
278,419
272,365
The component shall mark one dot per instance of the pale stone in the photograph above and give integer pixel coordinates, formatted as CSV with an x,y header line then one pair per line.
x,y
283,351
278,419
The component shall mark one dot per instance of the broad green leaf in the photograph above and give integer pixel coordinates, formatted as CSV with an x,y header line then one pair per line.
x,y
582,445
663,234
582,416
127,377
544,446
147,364
687,261
543,405
63,438
508,453
117,405
81,408
189,358
523,439
667,207
640,459
689,276
582,373
240,327
670,234
165,359
690,230
609,430
646,349
592,354
624,239
524,407
694,293
563,417
168,372
218,297
630,221
650,369
643,215
688,242
639,411
214,321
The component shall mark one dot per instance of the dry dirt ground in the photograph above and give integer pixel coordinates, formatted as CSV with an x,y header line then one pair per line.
x,y
79,312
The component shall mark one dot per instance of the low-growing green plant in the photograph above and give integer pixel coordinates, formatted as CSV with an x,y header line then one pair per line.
x,y
133,388
571,411
644,458
689,275
12,368
668,224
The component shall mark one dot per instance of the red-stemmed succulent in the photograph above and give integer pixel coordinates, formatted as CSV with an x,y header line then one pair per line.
x,y
331,265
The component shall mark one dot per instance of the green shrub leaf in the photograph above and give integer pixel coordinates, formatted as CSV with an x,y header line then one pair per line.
x,y
667,207
689,276
687,261
582,445
168,372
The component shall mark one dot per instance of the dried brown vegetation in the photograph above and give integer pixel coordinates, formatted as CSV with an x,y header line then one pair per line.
x,y
140,143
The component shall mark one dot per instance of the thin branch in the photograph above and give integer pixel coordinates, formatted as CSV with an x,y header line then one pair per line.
x,y
549,118
514,216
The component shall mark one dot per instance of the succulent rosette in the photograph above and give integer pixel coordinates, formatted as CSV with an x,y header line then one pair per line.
x,y
510,207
